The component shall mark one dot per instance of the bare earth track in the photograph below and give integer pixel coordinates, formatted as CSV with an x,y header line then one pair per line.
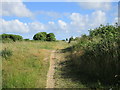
x,y
50,75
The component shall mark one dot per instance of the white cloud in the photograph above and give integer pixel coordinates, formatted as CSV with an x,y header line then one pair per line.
x,y
10,0
13,26
96,5
64,0
115,21
90,0
36,26
52,14
78,20
51,23
77,25
82,23
15,9
62,24
97,18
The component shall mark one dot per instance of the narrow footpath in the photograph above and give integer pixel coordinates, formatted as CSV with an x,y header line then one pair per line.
x,y
50,76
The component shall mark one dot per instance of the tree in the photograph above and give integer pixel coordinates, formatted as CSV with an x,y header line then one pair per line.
x,y
27,39
40,36
70,39
51,37
43,36
11,37
66,39
108,31
77,38
63,40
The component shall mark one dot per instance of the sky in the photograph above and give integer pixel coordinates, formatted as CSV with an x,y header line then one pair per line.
x,y
64,19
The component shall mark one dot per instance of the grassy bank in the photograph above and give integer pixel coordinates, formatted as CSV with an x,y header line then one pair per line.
x,y
28,65
97,57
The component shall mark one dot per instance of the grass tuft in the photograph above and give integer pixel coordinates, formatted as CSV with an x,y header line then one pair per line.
x,y
6,53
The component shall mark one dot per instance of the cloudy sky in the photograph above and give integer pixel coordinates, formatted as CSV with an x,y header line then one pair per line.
x,y
64,19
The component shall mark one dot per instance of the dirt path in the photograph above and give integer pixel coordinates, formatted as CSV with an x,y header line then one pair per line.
x,y
50,75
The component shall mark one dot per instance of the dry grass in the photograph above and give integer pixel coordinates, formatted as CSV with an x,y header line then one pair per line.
x,y
28,66
65,76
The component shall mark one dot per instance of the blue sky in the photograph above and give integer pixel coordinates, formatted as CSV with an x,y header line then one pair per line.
x,y
64,19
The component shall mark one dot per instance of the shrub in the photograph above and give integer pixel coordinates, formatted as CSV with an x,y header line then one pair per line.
x,y
40,36
11,37
5,53
43,36
27,39
51,37
100,57
7,40
63,40
101,61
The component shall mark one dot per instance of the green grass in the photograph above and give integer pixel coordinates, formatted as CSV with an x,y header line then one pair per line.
x,y
28,66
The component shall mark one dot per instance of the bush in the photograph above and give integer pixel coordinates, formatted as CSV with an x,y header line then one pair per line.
x,y
27,39
97,56
10,37
101,61
5,53
43,36
50,37
7,40
40,36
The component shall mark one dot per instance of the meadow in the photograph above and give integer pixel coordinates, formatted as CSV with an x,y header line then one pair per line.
x,y
28,65
89,61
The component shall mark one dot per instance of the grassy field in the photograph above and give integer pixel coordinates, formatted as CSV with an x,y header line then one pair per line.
x,y
89,62
28,65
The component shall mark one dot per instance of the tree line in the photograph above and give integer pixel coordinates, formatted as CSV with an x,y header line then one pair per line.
x,y
41,36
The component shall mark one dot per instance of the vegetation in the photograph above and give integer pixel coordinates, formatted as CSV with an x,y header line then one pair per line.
x,y
66,39
97,56
71,39
43,36
40,36
27,39
90,61
28,65
50,37
65,72
6,53
10,37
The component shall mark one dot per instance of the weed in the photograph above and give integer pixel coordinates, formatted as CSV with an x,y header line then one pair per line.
x,y
6,53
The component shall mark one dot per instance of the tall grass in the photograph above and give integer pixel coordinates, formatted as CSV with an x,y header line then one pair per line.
x,y
6,53
28,66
